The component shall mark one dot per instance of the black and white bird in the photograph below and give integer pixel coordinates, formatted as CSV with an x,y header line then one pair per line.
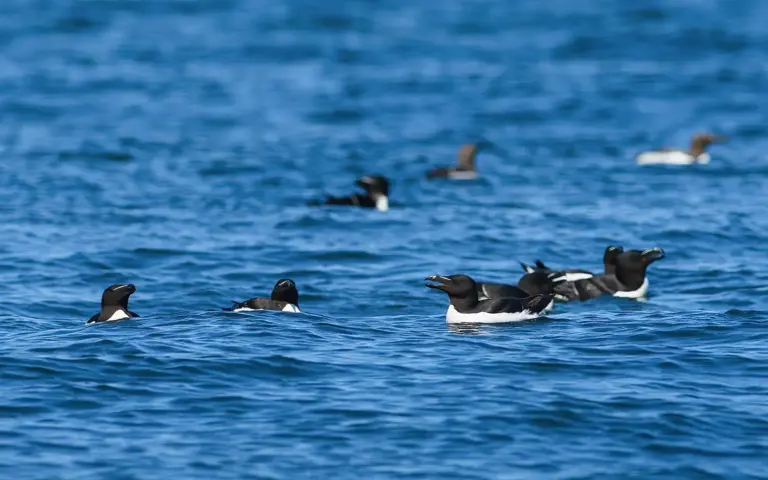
x,y
376,194
630,279
114,304
697,153
466,307
285,298
625,276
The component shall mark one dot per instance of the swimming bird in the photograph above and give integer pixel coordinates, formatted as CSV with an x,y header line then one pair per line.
x,y
465,165
624,276
285,298
376,194
630,279
574,274
697,153
466,307
114,304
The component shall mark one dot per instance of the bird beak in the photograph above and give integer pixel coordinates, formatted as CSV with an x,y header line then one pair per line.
x,y
438,282
653,254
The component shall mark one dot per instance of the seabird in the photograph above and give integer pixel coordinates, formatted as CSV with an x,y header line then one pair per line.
x,y
285,298
670,156
466,307
114,304
376,194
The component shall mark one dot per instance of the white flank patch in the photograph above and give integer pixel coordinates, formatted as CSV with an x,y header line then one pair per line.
x,y
462,175
291,308
561,298
672,157
453,316
574,277
636,294
118,315
382,203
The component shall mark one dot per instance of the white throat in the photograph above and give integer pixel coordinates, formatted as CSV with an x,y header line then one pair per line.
x,y
118,315
291,308
382,203
635,294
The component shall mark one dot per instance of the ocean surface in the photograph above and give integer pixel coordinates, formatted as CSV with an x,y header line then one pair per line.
x,y
176,144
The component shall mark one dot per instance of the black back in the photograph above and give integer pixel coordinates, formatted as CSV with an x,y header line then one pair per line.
x,y
462,291
259,303
283,293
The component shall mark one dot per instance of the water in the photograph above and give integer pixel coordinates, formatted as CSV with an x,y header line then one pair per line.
x,y
175,144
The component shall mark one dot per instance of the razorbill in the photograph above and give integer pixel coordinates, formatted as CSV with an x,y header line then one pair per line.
x,y
630,278
466,307
114,304
285,298
578,284
625,277
376,194
697,153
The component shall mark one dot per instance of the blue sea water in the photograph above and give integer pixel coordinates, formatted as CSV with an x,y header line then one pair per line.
x,y
175,144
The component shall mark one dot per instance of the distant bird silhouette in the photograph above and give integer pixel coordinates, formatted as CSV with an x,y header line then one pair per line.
x,y
671,156
376,194
465,165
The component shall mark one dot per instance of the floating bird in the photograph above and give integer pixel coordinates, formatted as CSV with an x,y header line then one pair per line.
x,y
376,194
465,168
465,165
466,307
114,304
670,156
624,276
285,298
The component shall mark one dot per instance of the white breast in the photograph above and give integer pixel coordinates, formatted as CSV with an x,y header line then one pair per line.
x,y
382,203
291,308
635,294
671,157
453,316
118,315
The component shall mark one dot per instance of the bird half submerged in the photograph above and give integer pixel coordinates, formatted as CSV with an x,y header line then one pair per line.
x,y
284,298
376,194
